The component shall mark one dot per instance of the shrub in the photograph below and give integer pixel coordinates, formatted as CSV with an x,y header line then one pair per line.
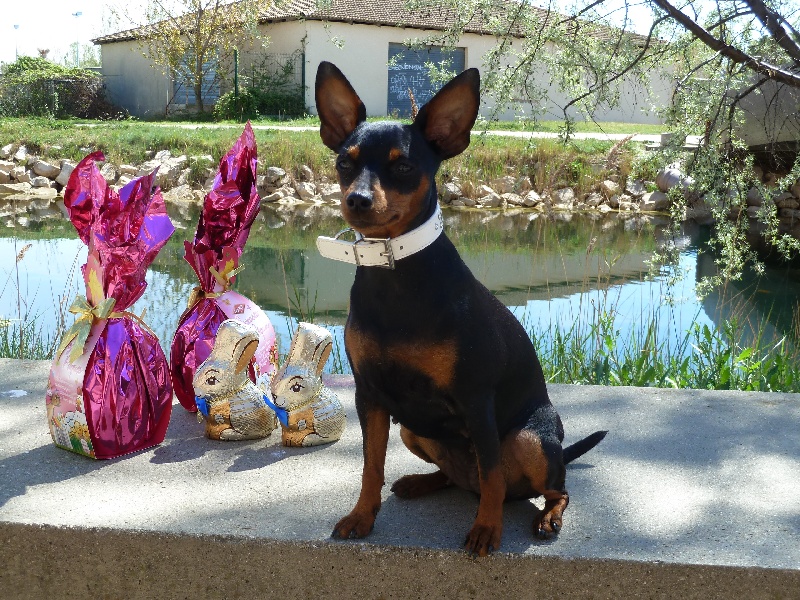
x,y
253,103
36,87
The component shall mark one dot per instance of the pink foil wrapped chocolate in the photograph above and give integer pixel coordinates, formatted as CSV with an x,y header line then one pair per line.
x,y
228,213
109,391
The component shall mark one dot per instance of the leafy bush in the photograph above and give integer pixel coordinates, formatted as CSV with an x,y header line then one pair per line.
x,y
253,103
33,86
272,89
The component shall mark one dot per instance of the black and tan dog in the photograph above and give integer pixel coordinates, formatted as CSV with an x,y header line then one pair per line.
x,y
429,346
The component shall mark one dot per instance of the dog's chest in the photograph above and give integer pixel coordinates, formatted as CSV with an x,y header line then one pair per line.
x,y
413,380
434,359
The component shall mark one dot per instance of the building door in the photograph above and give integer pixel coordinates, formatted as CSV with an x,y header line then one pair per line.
x,y
183,91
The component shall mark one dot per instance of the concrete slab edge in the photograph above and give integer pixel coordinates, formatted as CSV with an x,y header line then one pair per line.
x,y
41,561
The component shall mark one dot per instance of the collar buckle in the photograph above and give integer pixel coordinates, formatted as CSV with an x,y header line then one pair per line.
x,y
345,231
387,251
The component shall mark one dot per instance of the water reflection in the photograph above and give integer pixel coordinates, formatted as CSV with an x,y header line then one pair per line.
x,y
548,269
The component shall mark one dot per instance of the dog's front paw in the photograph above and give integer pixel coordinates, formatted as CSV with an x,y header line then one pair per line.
x,y
483,539
354,525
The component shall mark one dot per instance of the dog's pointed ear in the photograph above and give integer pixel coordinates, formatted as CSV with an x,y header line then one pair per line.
x,y
448,117
339,107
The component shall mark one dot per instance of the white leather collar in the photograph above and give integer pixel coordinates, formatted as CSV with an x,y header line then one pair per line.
x,y
381,252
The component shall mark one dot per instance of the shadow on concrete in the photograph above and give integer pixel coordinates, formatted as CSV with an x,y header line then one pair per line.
x,y
186,441
250,459
43,465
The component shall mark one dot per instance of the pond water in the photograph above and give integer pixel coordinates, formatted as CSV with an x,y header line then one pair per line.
x,y
551,270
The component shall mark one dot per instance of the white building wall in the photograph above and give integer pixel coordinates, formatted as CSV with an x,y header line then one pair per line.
x,y
133,82
281,38
364,54
361,52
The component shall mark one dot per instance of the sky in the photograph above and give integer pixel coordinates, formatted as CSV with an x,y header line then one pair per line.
x,y
51,24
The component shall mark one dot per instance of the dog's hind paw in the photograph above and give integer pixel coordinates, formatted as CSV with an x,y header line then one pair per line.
x,y
414,486
548,522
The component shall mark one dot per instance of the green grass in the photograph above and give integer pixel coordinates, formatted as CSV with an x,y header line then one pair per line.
x,y
25,340
556,126
516,125
549,163
129,142
594,353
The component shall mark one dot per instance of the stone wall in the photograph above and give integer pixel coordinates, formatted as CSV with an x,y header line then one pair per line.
x,y
31,189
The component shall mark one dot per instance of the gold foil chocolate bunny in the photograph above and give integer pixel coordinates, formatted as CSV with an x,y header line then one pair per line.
x,y
310,414
232,405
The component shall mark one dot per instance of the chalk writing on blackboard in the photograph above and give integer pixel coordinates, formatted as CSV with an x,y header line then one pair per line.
x,y
399,83
408,70
407,67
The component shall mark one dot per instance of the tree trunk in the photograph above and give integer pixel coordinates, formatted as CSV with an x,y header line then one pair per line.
x,y
198,96
198,83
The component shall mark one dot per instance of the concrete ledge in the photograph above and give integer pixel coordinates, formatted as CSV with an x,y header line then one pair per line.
x,y
41,562
692,493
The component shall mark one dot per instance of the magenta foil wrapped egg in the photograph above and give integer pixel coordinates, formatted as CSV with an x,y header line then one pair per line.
x,y
228,212
109,392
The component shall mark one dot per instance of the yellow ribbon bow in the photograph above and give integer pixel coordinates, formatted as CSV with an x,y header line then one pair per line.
x,y
83,324
223,278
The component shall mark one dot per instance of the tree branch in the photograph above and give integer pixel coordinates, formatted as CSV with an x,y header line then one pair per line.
x,y
728,19
622,73
773,23
772,71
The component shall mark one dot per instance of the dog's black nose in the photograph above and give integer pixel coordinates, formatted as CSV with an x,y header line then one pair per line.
x,y
359,201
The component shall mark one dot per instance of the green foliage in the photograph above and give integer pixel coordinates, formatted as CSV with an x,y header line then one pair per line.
x,y
253,103
33,86
273,91
595,353
199,169
25,340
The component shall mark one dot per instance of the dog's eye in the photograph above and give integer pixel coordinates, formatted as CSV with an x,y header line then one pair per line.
x,y
402,168
211,380
344,163
296,388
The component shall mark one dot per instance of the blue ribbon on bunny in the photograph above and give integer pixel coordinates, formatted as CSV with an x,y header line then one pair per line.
x,y
202,406
281,413
234,408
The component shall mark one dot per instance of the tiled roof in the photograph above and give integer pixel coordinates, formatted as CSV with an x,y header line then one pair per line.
x,y
390,13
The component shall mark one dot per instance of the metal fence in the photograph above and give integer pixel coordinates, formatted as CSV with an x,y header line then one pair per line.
x,y
57,97
280,72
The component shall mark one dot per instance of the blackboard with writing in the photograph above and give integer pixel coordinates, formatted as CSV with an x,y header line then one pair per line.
x,y
407,69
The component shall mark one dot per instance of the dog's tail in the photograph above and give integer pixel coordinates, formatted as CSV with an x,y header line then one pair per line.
x,y
580,448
